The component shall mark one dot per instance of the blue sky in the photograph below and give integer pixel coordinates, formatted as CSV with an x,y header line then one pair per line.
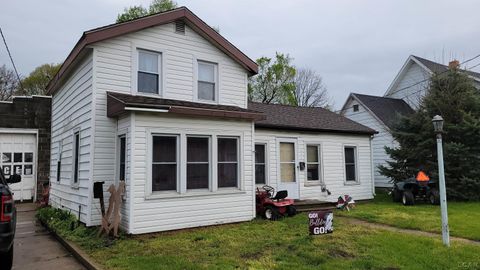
x,y
357,46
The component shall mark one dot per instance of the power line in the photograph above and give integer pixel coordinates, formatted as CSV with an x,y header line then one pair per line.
x,y
11,59
417,83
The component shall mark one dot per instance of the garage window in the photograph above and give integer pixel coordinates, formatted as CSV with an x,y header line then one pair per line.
x,y
76,156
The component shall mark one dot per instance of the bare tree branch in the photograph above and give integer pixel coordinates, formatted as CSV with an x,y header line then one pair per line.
x,y
8,83
310,90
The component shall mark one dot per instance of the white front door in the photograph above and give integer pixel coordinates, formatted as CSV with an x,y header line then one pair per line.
x,y
287,168
18,155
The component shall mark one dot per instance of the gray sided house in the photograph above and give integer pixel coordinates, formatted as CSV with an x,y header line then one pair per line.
x,y
402,97
25,143
161,102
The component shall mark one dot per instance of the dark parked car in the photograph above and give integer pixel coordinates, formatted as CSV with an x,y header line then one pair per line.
x,y
8,220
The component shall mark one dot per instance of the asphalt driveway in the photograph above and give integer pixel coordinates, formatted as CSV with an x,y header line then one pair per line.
x,y
35,248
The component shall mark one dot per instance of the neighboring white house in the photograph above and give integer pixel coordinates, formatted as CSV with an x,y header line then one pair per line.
x,y
380,114
161,102
402,97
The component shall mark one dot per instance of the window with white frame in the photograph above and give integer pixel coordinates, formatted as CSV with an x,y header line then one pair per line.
x,y
207,81
122,157
149,67
260,164
313,163
198,162
164,162
76,157
227,162
350,163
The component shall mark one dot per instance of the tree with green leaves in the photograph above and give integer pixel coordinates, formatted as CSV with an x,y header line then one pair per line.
x,y
453,96
135,12
36,82
274,82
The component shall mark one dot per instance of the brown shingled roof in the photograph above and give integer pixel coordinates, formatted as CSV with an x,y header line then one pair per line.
x,y
306,119
118,103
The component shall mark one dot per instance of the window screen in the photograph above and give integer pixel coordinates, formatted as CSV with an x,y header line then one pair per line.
x,y
164,163
206,81
198,162
148,72
227,162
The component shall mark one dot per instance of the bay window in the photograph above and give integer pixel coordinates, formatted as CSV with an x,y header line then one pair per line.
x,y
164,163
198,162
227,162
148,77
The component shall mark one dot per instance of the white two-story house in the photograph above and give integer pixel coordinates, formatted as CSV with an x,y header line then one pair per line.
x,y
161,103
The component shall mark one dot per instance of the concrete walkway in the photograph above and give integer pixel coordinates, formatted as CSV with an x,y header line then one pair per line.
x,y
34,248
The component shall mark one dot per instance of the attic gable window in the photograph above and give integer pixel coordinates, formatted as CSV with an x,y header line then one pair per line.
x,y
355,108
207,81
149,66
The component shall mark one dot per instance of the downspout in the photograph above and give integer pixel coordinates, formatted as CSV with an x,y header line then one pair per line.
x,y
372,166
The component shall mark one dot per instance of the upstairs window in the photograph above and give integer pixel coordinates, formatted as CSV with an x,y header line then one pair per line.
x,y
355,108
350,163
148,72
207,81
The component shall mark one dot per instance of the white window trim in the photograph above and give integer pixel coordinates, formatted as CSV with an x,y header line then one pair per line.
x,y
217,66
227,162
267,181
139,46
74,154
122,134
320,164
357,179
149,182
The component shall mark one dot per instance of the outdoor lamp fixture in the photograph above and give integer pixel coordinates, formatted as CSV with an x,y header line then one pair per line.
x,y
438,127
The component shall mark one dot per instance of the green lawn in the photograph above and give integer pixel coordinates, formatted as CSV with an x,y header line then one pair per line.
x,y
262,244
464,217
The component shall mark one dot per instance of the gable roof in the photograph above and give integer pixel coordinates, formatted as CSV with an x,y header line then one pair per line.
x,y
306,119
118,29
386,109
429,66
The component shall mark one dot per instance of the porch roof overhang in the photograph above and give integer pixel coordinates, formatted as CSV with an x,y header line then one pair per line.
x,y
118,104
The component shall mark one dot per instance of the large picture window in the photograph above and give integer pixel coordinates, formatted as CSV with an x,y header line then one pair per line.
x,y
350,163
148,72
313,163
207,80
260,165
164,163
227,162
198,162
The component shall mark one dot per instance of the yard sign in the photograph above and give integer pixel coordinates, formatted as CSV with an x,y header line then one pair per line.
x,y
320,222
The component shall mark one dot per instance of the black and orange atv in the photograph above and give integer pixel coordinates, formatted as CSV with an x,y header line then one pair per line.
x,y
416,188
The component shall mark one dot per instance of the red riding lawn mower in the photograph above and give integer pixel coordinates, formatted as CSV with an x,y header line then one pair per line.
x,y
273,207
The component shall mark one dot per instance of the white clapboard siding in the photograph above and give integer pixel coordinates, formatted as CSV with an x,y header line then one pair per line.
x,y
331,162
117,69
412,94
380,140
160,214
71,111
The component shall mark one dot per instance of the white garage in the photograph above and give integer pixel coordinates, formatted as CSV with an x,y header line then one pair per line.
x,y
18,152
